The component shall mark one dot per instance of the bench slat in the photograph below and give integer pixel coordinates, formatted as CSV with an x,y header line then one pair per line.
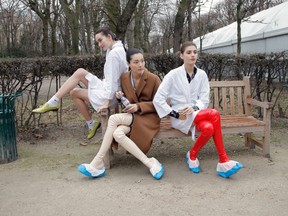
x,y
239,100
232,100
224,100
216,98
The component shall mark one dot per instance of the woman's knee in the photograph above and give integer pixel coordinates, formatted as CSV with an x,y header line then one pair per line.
x,y
112,119
207,129
120,119
73,93
118,135
80,73
214,113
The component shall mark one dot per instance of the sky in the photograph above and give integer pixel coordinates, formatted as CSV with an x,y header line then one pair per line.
x,y
208,4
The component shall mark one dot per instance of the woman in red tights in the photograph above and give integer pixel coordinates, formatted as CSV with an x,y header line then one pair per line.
x,y
187,89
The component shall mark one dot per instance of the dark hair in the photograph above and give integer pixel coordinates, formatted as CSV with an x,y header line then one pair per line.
x,y
185,45
106,31
130,52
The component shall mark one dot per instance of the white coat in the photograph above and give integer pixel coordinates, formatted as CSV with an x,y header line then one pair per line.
x,y
176,89
101,90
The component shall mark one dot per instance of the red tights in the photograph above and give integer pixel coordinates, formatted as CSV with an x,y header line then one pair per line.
x,y
208,123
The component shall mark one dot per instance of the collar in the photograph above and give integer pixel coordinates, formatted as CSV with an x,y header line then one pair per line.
x,y
193,75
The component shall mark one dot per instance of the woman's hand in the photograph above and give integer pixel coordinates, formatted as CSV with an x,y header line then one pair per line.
x,y
184,112
131,108
104,106
119,94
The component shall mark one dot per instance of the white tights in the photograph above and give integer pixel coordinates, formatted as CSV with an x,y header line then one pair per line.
x,y
118,127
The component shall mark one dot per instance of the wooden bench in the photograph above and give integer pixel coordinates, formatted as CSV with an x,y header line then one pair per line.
x,y
233,100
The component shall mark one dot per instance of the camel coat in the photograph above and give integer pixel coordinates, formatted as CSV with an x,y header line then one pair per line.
x,y
146,123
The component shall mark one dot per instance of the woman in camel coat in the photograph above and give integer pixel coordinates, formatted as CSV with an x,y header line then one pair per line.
x,y
146,123
135,128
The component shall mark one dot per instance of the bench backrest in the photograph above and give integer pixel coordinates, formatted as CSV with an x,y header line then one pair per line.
x,y
229,97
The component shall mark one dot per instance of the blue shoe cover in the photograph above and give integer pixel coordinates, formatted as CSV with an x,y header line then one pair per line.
x,y
230,172
195,170
88,170
159,174
157,170
192,165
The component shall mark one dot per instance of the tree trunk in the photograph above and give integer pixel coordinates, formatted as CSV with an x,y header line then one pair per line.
x,y
113,12
124,19
73,18
137,26
178,27
189,19
45,38
44,15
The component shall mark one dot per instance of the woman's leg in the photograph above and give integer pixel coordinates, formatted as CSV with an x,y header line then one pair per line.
x,y
77,77
156,169
206,132
121,138
53,104
80,98
113,122
209,124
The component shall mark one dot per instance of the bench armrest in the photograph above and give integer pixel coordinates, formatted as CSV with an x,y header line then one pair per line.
x,y
263,104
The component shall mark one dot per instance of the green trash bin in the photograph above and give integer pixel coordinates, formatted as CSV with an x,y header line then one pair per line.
x,y
8,148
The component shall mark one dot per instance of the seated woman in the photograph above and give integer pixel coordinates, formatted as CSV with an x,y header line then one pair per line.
x,y
187,89
135,129
99,93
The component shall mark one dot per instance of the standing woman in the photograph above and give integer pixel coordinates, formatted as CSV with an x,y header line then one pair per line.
x,y
135,129
100,93
187,89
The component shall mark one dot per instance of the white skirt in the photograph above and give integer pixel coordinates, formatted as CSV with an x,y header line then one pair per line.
x,y
96,91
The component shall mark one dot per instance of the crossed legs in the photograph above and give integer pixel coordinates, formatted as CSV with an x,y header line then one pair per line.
x,y
79,97
209,124
118,128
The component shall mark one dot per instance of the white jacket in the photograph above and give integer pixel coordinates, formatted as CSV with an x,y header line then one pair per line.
x,y
176,89
115,65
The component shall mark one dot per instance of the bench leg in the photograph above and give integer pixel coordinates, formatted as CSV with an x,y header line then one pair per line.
x,y
248,141
266,140
266,145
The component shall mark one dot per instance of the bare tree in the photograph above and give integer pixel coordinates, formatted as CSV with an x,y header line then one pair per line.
x,y
113,11
53,20
120,19
183,7
42,9
72,12
145,21
166,27
202,22
12,19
